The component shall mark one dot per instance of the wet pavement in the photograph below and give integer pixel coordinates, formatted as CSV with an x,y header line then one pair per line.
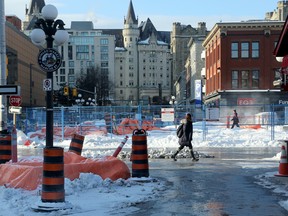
x,y
220,186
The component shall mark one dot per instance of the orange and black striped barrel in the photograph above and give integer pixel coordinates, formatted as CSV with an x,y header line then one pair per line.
x,y
108,122
139,156
76,144
5,148
53,175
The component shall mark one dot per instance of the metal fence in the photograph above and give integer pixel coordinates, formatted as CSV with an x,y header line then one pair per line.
x,y
261,115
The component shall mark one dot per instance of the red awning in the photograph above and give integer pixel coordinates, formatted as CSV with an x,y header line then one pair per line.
x,y
285,62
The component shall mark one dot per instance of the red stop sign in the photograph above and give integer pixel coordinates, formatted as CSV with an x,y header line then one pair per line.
x,y
15,100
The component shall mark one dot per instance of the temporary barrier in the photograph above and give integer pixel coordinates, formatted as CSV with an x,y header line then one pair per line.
x,y
76,144
108,122
283,165
53,175
120,146
139,155
27,174
14,144
5,148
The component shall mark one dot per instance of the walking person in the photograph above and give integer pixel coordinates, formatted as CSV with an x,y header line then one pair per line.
x,y
235,120
185,134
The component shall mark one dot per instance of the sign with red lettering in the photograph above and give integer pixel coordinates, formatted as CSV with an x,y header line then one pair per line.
x,y
15,100
167,114
246,101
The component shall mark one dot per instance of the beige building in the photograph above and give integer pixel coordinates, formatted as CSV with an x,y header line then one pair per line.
x,y
87,48
23,69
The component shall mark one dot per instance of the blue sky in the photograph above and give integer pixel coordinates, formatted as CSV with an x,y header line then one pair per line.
x,y
110,13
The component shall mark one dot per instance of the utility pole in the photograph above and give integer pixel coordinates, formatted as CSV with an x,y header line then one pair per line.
x,y
3,98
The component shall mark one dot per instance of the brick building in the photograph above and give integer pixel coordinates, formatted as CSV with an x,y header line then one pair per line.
x,y
240,65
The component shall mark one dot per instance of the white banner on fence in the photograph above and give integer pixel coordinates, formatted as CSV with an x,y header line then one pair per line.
x,y
167,114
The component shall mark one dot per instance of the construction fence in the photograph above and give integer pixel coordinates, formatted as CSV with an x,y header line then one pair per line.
x,y
149,117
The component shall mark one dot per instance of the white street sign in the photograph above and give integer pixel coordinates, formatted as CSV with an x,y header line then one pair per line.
x,y
9,90
47,85
15,110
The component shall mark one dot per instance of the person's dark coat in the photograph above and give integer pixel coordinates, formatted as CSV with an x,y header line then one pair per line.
x,y
187,136
235,119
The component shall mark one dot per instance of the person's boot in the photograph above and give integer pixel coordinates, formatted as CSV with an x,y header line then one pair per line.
x,y
174,155
193,156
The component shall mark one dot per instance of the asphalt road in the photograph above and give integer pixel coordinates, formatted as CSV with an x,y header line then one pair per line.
x,y
220,186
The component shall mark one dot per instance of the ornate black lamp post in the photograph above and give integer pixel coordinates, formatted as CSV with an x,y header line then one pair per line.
x,y
50,30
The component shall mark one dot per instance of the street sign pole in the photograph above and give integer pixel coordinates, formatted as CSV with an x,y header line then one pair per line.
x,y
3,98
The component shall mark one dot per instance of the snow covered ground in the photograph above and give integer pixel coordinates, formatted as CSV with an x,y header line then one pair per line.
x,y
90,194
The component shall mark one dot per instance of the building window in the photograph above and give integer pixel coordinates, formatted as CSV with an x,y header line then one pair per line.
x,y
244,50
62,71
255,49
71,71
71,79
104,49
71,63
234,50
235,79
103,41
104,64
82,56
70,52
244,79
82,48
62,79
104,56
275,43
255,79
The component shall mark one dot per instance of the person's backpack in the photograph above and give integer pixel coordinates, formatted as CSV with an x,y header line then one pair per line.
x,y
180,131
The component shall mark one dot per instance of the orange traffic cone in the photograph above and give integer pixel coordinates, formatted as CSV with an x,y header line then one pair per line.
x,y
283,166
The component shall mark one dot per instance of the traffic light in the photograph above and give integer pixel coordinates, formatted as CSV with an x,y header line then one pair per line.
x,y
66,91
74,92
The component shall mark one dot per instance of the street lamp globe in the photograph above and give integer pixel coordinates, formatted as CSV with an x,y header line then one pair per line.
x,y
38,36
61,36
49,12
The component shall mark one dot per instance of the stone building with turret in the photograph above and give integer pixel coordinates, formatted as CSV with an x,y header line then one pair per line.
x,y
143,64
280,13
